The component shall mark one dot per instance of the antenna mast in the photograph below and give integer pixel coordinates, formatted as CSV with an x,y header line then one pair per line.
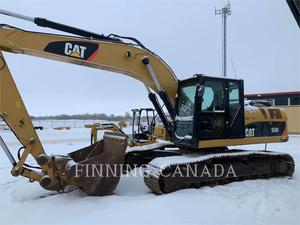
x,y
224,12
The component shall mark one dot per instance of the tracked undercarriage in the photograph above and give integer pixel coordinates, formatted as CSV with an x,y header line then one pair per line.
x,y
171,170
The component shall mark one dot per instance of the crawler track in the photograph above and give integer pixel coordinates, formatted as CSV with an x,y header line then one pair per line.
x,y
162,174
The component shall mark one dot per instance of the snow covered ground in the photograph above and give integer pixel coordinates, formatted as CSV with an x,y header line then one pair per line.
x,y
272,201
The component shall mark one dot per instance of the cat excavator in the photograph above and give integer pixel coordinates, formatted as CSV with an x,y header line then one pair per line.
x,y
202,115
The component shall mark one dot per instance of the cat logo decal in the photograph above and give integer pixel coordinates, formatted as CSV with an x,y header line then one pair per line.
x,y
75,49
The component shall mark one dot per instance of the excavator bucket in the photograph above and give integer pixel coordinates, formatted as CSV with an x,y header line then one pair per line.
x,y
97,168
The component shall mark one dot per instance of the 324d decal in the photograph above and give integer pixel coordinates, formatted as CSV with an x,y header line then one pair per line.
x,y
75,49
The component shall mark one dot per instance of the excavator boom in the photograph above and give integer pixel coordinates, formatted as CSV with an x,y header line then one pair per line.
x,y
107,55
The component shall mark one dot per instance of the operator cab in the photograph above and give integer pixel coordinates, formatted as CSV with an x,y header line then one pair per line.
x,y
209,108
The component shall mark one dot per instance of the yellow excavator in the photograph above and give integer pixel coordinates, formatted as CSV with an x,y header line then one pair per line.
x,y
202,115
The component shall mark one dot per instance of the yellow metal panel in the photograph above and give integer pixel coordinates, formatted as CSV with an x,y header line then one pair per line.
x,y
240,141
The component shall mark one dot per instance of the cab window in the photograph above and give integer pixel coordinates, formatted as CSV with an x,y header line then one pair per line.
x,y
213,97
186,101
184,118
234,99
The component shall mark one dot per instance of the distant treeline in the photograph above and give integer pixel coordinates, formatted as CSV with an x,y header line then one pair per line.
x,y
87,116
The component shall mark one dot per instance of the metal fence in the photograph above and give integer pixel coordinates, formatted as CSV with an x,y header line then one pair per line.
x,y
46,124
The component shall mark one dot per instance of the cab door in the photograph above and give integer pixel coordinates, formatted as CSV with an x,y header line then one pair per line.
x,y
212,114
221,109
235,117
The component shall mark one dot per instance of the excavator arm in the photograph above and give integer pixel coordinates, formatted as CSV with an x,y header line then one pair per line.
x,y
14,113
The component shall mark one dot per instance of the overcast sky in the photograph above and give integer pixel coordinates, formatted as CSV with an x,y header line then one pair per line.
x,y
263,46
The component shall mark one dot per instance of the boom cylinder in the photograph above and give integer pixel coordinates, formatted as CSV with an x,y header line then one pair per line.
x,y
162,93
16,15
169,127
42,22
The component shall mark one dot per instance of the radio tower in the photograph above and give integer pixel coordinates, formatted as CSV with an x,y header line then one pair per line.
x,y
224,12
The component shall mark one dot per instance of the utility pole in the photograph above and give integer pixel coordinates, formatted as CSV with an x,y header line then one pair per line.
x,y
225,11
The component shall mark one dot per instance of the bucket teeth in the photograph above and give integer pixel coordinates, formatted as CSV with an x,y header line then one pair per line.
x,y
115,136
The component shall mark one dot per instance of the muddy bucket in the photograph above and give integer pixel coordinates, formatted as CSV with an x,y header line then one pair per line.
x,y
97,168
